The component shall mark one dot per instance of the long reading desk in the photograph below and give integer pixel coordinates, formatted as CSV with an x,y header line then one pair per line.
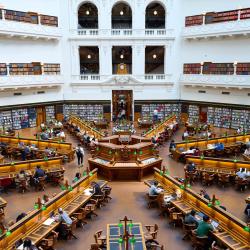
x,y
38,224
233,233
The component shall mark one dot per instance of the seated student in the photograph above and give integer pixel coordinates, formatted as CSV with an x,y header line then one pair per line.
x,y
27,245
239,130
247,151
45,199
44,136
242,174
185,135
154,190
172,146
65,220
22,177
62,135
190,167
96,188
20,216
190,218
38,174
247,210
219,146
204,194
77,177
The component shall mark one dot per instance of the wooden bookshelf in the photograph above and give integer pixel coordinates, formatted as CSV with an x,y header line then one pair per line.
x,y
49,20
51,69
21,69
19,16
243,69
210,68
218,17
192,68
245,13
3,69
194,20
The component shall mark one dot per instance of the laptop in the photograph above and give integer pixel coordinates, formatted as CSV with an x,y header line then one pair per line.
x,y
215,224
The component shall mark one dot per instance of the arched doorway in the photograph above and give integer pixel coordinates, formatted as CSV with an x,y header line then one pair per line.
x,y
88,16
155,16
121,16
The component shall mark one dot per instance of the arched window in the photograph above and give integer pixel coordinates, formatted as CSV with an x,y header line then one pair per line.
x,y
88,16
155,16
121,16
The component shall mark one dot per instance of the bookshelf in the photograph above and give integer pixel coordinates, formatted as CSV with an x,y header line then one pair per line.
x,y
87,112
3,69
49,20
245,13
194,20
164,110
243,69
193,114
19,16
1,15
192,68
21,69
247,120
51,69
222,117
5,119
20,118
50,113
218,17
218,68
210,115
32,117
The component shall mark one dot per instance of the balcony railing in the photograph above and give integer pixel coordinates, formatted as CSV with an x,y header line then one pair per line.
x,y
239,27
122,79
26,81
25,30
233,81
135,33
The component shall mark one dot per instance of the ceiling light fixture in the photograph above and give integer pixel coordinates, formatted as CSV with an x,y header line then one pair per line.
x,y
155,12
89,56
121,13
87,12
121,56
154,56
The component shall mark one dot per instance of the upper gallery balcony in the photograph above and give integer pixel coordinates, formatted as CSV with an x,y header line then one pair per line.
x,y
216,24
29,75
225,75
122,33
28,25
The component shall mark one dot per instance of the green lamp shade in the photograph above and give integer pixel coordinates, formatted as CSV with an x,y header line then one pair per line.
x,y
84,173
182,187
12,163
135,153
132,240
247,229
120,224
167,172
97,149
209,204
130,224
161,172
70,188
140,152
202,157
90,174
188,185
63,187
110,152
46,158
217,202
36,206
44,208
8,233
120,240
235,160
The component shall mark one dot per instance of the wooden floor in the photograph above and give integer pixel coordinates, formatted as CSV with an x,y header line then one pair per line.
x,y
128,199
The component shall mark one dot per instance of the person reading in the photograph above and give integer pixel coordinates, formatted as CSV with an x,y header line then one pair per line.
x,y
154,189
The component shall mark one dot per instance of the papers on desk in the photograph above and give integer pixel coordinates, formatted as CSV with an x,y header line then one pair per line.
x,y
48,222
168,198
87,192
21,246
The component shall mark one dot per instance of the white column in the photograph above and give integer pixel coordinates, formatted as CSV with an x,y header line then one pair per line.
x,y
105,60
75,60
138,60
3,14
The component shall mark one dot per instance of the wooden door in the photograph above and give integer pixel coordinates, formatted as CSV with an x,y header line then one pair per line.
x,y
40,116
203,114
122,99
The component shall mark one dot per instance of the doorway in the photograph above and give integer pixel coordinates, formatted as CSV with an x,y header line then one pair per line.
x,y
203,114
122,103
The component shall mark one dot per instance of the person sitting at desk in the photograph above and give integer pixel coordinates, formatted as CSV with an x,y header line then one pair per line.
x,y
27,245
172,146
242,174
77,129
62,135
96,188
42,126
204,228
63,217
22,177
219,146
154,190
185,135
77,177
239,130
247,210
190,218
20,216
38,174
204,194
190,167
44,136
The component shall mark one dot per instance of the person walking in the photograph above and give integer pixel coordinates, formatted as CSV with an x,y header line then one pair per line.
x,y
79,154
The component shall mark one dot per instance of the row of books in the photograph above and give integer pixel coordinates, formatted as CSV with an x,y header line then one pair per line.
x,y
216,17
29,69
28,17
217,68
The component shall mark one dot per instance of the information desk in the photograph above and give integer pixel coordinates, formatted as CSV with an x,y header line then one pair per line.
x,y
169,121
37,225
233,232
207,146
215,165
61,148
125,162
117,139
84,126
52,165
143,123
114,232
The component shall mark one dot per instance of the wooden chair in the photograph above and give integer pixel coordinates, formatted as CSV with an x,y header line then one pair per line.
x,y
161,204
2,215
198,243
100,200
152,231
80,216
151,200
49,242
107,191
41,184
223,179
95,247
100,239
207,179
90,208
23,185
188,228
71,228
175,218
241,184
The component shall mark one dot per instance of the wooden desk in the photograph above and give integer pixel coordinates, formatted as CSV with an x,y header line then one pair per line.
x,y
233,236
1,159
52,165
33,227
62,148
114,232
161,127
246,157
101,124
3,203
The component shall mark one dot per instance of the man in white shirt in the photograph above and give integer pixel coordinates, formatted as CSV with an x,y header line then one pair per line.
x,y
155,115
154,190
79,154
247,152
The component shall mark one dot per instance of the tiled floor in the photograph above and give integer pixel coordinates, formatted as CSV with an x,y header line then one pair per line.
x,y
128,199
